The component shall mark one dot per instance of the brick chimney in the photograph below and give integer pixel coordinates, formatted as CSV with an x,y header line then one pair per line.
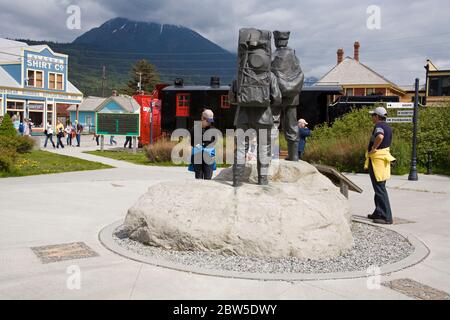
x,y
340,55
356,52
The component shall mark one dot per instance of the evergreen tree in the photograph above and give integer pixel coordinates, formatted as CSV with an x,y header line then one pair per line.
x,y
149,74
7,127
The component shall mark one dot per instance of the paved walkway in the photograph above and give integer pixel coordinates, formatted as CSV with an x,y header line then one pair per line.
x,y
74,207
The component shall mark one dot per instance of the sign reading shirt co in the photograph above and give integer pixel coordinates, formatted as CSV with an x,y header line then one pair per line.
x,y
47,63
45,70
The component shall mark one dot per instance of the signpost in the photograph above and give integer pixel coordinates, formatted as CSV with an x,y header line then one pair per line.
x,y
408,116
413,173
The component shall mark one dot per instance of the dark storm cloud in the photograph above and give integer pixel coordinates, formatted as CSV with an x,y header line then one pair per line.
x,y
411,31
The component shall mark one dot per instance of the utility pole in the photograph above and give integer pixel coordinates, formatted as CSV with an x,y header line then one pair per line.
x,y
140,82
103,81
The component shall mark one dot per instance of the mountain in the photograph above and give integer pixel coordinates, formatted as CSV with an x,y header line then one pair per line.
x,y
176,51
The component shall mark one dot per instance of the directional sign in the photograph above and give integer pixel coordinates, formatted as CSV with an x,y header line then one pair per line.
x,y
400,105
400,120
405,113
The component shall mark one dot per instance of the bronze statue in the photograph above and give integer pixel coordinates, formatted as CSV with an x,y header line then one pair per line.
x,y
254,92
286,67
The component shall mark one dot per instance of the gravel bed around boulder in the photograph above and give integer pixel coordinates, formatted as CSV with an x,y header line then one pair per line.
x,y
374,246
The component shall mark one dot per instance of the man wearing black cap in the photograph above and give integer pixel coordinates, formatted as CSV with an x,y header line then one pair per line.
x,y
286,67
378,161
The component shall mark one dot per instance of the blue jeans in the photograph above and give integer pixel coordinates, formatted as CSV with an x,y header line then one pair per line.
x,y
382,204
49,137
78,139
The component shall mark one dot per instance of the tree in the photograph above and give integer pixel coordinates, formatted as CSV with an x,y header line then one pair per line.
x,y
147,72
7,127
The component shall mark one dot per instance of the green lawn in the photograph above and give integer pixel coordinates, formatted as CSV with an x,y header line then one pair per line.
x,y
43,162
139,158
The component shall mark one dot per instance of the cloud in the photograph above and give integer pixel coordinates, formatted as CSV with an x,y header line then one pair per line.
x,y
410,32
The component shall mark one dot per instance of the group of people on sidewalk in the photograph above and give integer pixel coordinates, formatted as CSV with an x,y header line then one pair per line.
x,y
69,132
23,128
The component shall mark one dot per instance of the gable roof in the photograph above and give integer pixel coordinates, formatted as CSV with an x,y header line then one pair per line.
x,y
352,72
128,104
88,104
10,50
6,80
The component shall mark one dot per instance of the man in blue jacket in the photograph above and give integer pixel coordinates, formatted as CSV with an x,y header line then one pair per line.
x,y
303,133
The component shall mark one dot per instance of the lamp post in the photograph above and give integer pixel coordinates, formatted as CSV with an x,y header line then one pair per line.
x,y
413,172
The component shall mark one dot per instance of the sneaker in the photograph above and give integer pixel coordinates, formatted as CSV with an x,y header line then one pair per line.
x,y
374,216
381,221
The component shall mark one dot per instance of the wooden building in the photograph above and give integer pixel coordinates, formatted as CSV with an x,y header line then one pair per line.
x,y
437,85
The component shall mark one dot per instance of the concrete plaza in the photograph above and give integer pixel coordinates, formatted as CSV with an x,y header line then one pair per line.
x,y
73,207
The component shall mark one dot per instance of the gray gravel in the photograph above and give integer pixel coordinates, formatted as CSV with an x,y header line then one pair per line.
x,y
373,247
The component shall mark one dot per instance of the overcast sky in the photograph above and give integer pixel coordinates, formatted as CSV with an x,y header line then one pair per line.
x,y
410,30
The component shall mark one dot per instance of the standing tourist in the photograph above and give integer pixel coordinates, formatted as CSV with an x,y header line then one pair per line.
x,y
78,132
16,122
49,135
378,162
203,169
112,141
96,137
128,141
303,133
27,128
68,130
59,135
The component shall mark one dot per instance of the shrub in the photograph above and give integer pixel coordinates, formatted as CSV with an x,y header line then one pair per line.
x,y
7,127
7,159
25,144
18,143
160,151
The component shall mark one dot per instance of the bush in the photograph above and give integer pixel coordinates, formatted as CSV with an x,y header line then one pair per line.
x,y
7,127
344,144
7,159
18,143
160,151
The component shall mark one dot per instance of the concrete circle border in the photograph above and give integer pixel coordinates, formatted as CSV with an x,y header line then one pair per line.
x,y
420,253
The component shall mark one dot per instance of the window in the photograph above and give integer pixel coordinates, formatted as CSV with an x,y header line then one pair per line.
x,y
15,109
15,105
89,121
439,86
50,113
370,92
446,86
36,114
349,92
56,81
224,102
183,104
35,79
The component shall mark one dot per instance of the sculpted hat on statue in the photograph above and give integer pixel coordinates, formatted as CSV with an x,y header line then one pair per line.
x,y
281,38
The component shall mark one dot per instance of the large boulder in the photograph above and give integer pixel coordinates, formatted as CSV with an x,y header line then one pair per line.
x,y
300,214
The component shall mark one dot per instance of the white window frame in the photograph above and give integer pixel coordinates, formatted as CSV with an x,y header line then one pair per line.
x,y
56,81
43,78
38,111
14,100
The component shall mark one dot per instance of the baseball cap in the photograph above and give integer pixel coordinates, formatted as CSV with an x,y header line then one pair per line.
x,y
380,111
303,121
208,115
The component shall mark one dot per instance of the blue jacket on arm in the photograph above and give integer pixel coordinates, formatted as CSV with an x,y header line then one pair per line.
x,y
303,133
